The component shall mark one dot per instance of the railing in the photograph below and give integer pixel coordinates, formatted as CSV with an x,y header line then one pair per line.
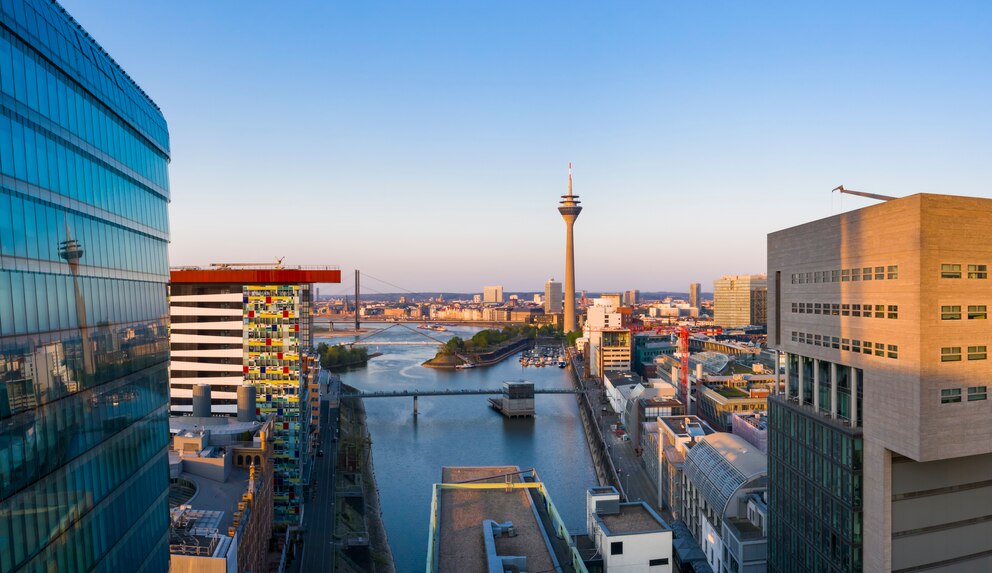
x,y
561,531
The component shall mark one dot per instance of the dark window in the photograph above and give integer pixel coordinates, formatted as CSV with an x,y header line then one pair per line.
x,y
977,312
950,313
893,272
616,548
948,271
656,562
949,396
950,354
978,271
977,353
978,393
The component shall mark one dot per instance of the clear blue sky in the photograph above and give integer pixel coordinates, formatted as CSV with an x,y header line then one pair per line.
x,y
427,143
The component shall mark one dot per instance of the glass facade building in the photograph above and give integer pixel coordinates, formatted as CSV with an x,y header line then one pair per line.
x,y
83,318
815,491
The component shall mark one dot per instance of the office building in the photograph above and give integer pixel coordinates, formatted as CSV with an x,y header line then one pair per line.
x,y
695,295
553,300
492,295
724,482
251,325
881,314
631,297
740,300
84,233
676,434
569,209
629,537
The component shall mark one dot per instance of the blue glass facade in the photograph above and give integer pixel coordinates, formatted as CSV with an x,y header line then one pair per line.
x,y
83,317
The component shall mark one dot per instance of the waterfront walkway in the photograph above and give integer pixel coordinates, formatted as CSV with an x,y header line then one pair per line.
x,y
473,392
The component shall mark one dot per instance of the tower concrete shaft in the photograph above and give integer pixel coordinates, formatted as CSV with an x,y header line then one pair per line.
x,y
569,209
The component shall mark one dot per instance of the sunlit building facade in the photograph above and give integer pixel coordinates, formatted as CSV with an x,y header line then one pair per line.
x,y
83,324
252,326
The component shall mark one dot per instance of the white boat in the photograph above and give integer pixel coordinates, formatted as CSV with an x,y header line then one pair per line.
x,y
464,366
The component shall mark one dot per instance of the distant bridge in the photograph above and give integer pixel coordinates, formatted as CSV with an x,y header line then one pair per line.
x,y
415,393
394,343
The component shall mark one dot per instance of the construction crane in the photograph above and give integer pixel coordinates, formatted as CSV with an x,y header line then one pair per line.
x,y
684,367
225,266
862,194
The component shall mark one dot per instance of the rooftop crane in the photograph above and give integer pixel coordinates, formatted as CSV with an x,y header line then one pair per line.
x,y
862,194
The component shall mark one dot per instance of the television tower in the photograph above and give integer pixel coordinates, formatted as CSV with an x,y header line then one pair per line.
x,y
569,210
71,251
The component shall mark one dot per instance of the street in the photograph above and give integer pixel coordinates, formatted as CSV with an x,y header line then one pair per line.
x,y
319,517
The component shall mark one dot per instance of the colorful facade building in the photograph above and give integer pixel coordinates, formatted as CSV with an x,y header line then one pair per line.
x,y
252,326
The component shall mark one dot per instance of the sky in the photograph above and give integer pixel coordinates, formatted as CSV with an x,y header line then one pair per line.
x,y
427,143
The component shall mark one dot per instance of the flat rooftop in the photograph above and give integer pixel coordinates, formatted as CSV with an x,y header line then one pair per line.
x,y
686,425
632,518
461,547
220,497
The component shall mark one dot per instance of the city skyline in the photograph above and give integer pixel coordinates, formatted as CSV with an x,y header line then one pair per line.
x,y
688,135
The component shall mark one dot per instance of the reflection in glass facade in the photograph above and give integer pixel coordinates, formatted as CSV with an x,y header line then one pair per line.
x,y
815,488
83,331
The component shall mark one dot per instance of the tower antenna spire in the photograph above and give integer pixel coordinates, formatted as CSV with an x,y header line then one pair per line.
x,y
569,178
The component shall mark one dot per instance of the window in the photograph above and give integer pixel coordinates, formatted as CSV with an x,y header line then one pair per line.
x,y
977,353
845,310
855,310
794,278
795,307
977,393
893,272
947,396
950,313
855,275
616,548
795,336
977,312
880,311
893,351
950,354
834,276
879,349
816,308
834,342
866,348
855,346
978,271
866,274
656,562
835,309
845,275
950,271
893,311
845,344
879,273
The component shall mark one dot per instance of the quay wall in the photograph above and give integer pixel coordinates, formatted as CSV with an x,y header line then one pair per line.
x,y
606,472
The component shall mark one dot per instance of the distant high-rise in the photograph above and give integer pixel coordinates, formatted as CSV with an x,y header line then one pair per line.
x,y
492,294
84,233
882,314
552,297
740,300
631,297
695,295
569,210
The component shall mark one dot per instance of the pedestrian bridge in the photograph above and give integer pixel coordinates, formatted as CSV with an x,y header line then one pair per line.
x,y
395,343
473,392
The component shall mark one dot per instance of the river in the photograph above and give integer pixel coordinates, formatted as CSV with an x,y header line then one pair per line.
x,y
409,452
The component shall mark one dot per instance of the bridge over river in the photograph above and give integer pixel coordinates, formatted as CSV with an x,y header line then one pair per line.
x,y
415,394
